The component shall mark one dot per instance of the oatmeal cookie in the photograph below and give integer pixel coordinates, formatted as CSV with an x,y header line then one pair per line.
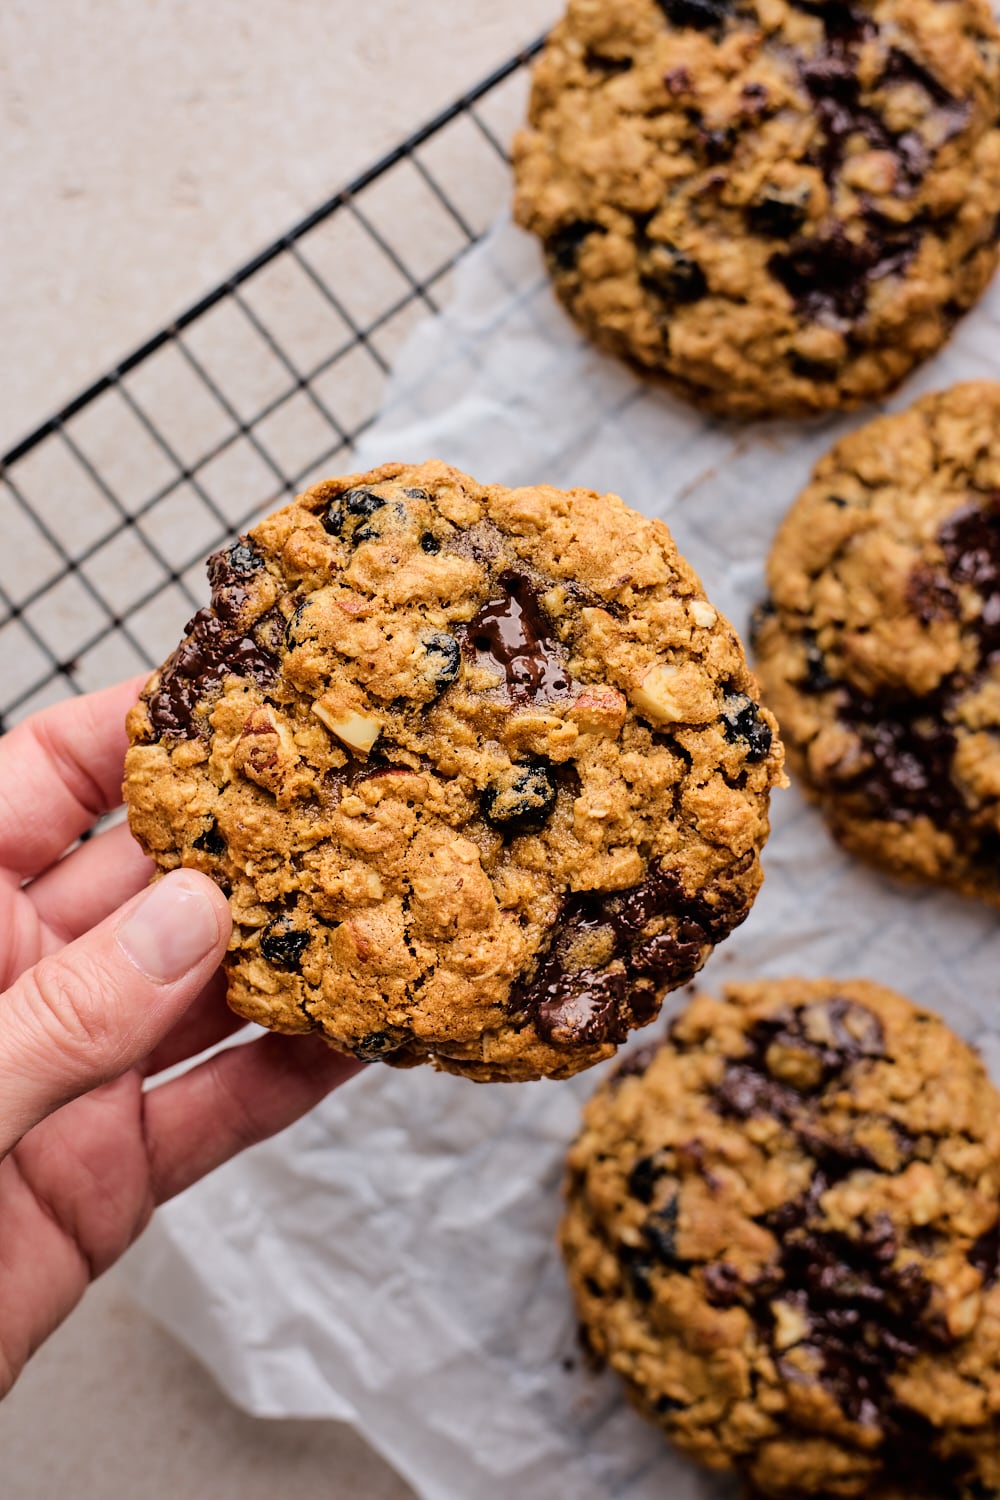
x,y
879,648
482,770
782,1230
781,206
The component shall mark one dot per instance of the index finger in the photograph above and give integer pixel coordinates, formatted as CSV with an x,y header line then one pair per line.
x,y
59,771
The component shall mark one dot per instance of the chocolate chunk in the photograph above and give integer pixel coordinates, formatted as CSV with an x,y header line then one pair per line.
x,y
514,633
703,15
444,658
985,1255
212,651
563,247
779,212
723,1284
211,841
829,275
970,541
672,275
653,936
911,750
930,595
743,724
283,945
828,1036
522,801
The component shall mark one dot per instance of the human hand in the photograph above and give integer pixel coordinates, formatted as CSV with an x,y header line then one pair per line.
x,y
99,997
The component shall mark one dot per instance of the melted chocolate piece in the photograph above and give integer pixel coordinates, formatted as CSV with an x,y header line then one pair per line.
x,y
970,540
931,595
985,1255
863,1316
658,937
912,750
829,275
198,668
217,645
514,633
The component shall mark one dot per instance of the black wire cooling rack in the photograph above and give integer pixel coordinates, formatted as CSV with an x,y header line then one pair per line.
x,y
109,508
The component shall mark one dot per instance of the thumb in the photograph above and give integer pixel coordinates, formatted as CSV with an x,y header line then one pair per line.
x,y
93,1010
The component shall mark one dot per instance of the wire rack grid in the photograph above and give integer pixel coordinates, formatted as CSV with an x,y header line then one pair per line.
x,y
110,507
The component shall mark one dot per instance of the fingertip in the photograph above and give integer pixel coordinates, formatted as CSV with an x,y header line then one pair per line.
x,y
175,927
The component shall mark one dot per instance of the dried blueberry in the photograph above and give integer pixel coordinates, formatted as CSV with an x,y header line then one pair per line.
x,y
672,275
241,559
269,632
742,723
565,245
638,1270
660,1233
211,841
362,502
333,517
521,801
283,945
817,679
643,1178
417,494
377,1044
779,212
430,544
702,14
813,369
444,659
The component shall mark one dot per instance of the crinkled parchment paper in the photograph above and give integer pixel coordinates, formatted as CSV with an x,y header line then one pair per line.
x,y
390,1260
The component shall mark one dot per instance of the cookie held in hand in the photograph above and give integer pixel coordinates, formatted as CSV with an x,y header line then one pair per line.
x,y
782,1231
481,770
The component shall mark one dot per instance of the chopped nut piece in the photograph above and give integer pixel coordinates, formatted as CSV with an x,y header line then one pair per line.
x,y
357,731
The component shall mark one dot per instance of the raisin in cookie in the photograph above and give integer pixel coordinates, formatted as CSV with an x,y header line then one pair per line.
x,y
482,770
780,205
782,1230
879,648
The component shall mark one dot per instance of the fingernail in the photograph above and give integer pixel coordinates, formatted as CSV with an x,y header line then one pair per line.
x,y
171,929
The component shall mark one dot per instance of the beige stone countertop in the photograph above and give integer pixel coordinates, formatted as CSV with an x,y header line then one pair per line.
x,y
148,148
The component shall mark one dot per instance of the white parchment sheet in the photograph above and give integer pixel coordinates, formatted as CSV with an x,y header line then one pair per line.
x,y
390,1260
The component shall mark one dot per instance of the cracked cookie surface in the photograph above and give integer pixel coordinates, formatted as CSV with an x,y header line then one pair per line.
x,y
781,206
481,770
879,647
782,1230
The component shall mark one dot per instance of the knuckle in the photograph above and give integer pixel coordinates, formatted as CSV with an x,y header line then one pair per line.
x,y
70,1007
